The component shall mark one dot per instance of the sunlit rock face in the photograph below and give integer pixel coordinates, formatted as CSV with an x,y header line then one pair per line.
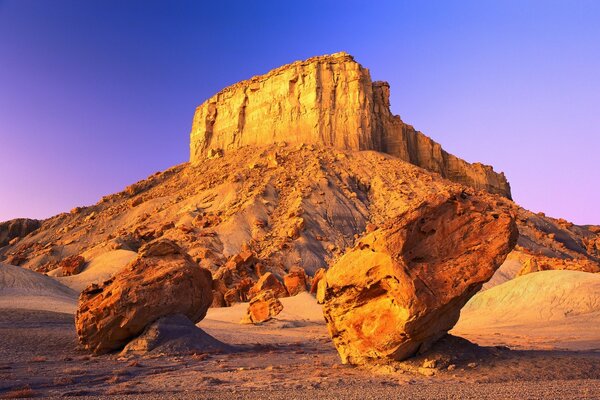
x,y
328,100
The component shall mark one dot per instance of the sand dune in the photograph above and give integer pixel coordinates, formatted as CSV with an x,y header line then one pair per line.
x,y
555,309
24,289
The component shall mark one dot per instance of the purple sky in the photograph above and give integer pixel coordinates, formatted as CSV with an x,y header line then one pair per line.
x,y
96,95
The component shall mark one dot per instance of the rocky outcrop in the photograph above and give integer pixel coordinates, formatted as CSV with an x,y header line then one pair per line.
x,y
163,280
262,308
268,281
71,265
295,281
328,100
319,275
17,228
234,280
402,286
539,263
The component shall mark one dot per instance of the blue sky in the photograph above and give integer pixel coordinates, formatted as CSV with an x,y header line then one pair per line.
x,y
95,95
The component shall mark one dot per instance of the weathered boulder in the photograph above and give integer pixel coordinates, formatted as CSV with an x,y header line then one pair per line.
x,y
268,281
162,280
263,307
402,286
295,281
537,263
71,265
175,334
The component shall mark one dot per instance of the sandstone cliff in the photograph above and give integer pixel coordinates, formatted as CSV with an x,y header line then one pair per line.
x,y
328,100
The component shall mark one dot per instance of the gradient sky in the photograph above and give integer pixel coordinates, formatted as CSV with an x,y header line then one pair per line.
x,y
96,95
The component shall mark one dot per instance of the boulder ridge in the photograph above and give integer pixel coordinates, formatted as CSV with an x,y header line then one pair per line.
x,y
328,100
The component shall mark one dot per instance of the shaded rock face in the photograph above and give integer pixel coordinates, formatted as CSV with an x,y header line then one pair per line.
x,y
328,100
402,286
163,280
175,334
17,228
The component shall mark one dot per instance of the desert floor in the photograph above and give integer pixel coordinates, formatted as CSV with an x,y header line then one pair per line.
x,y
288,358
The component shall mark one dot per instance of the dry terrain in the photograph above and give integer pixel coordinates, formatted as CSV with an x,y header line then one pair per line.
x,y
291,355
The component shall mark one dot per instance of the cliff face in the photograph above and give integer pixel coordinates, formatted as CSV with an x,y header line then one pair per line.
x,y
328,100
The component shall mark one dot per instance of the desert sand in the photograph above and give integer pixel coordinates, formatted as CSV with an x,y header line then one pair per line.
x,y
292,355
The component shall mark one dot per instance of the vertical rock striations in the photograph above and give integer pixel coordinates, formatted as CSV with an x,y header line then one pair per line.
x,y
328,100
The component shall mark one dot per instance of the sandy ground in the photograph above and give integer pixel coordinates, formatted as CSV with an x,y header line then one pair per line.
x,y
290,357
21,288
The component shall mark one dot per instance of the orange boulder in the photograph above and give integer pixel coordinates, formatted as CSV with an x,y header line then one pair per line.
x,y
161,281
295,281
402,286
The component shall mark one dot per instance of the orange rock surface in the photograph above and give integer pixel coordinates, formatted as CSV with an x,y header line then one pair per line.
x,y
163,280
263,307
295,281
268,281
328,100
403,285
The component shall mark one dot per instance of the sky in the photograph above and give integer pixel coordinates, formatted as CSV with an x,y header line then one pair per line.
x,y
96,95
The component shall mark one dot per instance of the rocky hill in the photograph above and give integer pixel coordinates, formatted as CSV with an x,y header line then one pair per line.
x,y
271,188
331,101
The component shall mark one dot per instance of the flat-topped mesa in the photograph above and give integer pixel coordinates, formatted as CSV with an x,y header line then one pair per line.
x,y
328,100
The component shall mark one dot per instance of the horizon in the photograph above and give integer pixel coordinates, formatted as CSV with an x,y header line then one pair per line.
x,y
116,95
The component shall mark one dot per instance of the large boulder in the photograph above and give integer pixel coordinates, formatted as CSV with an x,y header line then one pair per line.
x,y
268,281
295,281
402,286
72,265
161,281
262,308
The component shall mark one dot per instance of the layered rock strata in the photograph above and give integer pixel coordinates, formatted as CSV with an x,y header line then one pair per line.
x,y
328,100
403,285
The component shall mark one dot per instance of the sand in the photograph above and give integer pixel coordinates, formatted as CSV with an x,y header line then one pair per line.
x,y
292,355
24,289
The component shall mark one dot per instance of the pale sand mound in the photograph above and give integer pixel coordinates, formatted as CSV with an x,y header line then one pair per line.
x,y
99,269
24,289
553,309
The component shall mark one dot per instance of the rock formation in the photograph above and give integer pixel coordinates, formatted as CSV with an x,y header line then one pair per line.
x,y
295,281
262,308
402,286
268,281
328,100
163,280
222,210
71,265
16,228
